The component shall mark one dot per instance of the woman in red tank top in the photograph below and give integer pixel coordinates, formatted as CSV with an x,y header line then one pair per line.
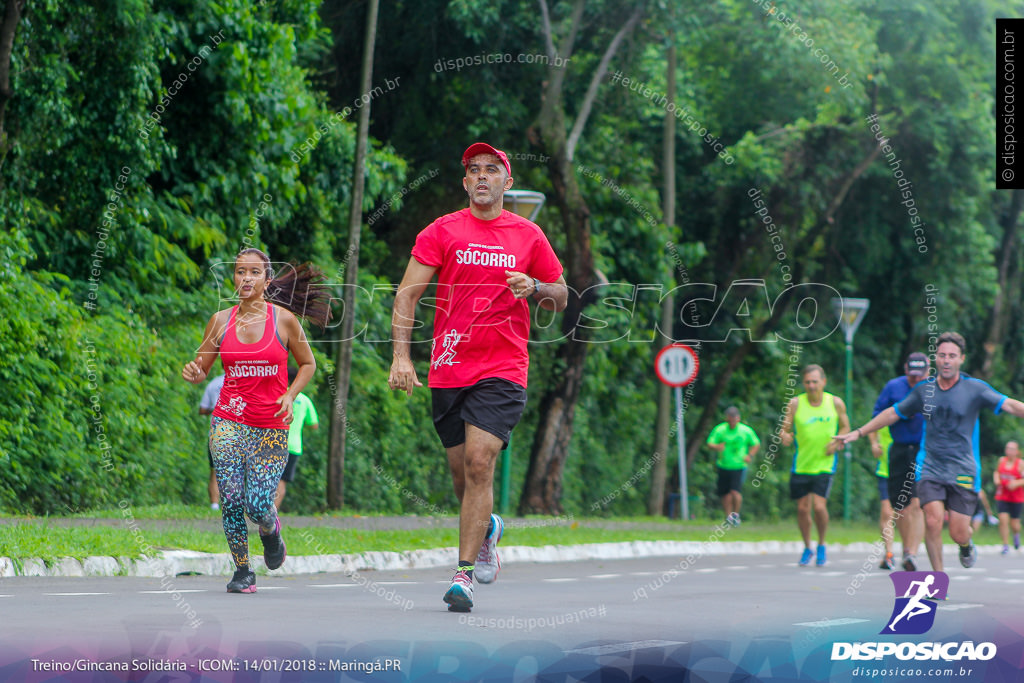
x,y
249,430
1009,477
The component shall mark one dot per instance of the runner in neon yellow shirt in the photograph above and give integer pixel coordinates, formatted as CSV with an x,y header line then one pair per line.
x,y
736,444
811,420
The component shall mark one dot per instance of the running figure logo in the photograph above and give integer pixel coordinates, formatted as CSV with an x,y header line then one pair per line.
x,y
447,349
916,593
236,405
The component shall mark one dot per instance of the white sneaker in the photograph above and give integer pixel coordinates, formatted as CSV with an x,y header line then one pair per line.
x,y
487,563
460,593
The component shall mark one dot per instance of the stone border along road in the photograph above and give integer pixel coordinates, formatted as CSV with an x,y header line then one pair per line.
x,y
175,562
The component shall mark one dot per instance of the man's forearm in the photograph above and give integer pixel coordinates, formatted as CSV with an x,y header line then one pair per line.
x,y
402,320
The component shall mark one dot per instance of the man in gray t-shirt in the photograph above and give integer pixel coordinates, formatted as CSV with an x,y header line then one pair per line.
x,y
948,477
950,416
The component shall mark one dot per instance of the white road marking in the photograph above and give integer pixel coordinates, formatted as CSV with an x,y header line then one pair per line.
x,y
74,594
183,590
624,647
604,576
826,623
559,580
395,583
953,608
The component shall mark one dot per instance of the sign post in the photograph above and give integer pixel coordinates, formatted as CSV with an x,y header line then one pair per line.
x,y
676,366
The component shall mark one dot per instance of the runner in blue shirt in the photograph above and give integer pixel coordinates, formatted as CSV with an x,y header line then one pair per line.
x,y
902,457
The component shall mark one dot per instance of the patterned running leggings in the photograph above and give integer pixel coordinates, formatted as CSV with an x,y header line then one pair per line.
x,y
249,462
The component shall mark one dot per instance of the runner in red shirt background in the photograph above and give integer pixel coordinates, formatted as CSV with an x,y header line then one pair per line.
x,y
1009,477
489,263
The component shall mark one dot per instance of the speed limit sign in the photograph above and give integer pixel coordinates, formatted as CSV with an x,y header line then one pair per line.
x,y
676,365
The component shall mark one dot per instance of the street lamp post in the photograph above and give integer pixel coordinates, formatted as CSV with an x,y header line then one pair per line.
x,y
851,313
525,203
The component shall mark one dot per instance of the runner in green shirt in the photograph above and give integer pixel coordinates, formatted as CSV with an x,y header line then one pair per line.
x,y
303,413
736,444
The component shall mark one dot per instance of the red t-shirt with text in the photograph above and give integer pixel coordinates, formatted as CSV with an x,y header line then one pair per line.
x,y
480,328
1007,473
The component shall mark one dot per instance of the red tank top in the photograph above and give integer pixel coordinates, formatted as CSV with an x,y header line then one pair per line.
x,y
1007,473
255,376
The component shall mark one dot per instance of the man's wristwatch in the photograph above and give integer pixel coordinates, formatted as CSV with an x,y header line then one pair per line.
x,y
536,286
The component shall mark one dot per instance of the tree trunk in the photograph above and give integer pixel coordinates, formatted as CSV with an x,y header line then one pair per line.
x,y
12,15
542,489
999,317
343,360
659,473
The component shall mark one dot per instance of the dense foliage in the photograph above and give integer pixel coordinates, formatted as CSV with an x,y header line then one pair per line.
x,y
123,187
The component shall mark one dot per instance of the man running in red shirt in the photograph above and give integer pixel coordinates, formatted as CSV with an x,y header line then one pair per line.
x,y
490,263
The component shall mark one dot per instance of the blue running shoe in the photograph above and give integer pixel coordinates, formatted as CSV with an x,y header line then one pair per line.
x,y
460,593
487,563
821,556
805,559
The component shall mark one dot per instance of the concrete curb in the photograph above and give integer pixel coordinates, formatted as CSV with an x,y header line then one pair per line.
x,y
175,562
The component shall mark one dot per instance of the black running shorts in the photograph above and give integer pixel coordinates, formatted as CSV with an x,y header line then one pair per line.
x,y
729,480
902,473
493,404
1012,509
801,485
289,469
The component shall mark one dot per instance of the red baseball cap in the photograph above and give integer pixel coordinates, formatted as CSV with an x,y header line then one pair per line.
x,y
484,148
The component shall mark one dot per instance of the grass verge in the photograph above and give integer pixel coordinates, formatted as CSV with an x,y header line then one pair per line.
x,y
43,538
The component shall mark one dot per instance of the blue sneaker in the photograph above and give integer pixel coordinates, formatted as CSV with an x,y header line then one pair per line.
x,y
821,556
805,559
460,593
487,563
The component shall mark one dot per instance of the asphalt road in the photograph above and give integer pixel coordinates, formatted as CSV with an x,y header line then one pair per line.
x,y
718,618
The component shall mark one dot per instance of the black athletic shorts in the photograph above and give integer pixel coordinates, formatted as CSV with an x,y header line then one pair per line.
x,y
493,404
801,485
209,454
956,498
730,480
289,469
1012,509
902,473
